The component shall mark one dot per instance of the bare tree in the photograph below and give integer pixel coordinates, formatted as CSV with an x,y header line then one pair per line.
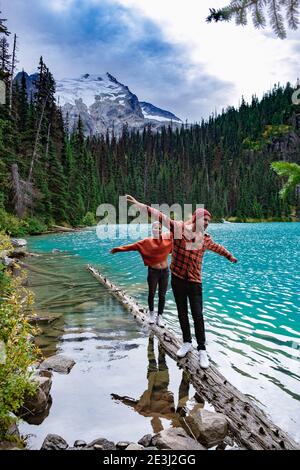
x,y
24,193
13,66
36,142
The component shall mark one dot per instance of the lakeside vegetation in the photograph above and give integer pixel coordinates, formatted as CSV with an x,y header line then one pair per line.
x,y
17,352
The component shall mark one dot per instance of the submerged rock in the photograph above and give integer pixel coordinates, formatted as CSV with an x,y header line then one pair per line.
x,y
58,363
208,427
175,439
43,319
54,442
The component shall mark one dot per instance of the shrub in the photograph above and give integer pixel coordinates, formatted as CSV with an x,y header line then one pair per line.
x,y
17,352
89,219
20,227
35,226
12,225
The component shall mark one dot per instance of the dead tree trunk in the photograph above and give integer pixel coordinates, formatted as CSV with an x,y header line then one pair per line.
x,y
248,423
13,65
18,191
37,138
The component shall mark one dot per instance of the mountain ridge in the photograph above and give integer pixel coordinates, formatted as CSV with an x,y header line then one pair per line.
x,y
104,104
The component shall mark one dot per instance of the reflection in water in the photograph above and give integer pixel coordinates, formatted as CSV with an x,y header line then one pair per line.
x,y
104,340
157,401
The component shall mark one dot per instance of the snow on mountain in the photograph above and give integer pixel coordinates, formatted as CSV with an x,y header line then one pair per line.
x,y
104,104
152,112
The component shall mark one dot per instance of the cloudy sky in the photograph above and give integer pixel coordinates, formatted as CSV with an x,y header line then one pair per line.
x,y
162,49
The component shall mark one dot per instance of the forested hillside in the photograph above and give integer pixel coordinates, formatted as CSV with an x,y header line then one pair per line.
x,y
48,174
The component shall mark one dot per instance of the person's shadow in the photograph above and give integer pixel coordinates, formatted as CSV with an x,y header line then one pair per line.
x,y
157,401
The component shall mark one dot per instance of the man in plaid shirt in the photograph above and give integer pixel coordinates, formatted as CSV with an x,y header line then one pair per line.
x,y
189,244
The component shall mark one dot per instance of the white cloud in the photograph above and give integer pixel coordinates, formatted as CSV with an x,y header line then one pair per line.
x,y
253,60
59,5
210,66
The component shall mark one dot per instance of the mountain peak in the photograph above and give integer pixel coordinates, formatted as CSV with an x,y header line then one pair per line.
x,y
112,78
104,104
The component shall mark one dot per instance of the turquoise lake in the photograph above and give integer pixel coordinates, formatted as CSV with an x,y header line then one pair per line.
x,y
251,309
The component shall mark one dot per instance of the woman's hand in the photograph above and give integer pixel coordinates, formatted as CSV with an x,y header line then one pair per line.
x,y
113,251
131,199
233,259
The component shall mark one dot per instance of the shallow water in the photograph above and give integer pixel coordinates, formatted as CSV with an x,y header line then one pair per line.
x,y
113,356
252,314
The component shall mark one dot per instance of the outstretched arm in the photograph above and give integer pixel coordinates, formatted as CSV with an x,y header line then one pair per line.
x,y
155,213
130,247
211,245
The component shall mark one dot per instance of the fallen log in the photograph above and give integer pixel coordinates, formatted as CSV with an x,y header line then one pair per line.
x,y
249,425
60,228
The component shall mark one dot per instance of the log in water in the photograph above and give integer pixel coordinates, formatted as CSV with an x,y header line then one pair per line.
x,y
247,422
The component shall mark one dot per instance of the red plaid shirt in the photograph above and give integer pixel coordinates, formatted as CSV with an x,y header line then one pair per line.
x,y
187,263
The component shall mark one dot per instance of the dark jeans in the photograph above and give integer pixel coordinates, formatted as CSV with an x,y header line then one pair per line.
x,y
160,277
184,290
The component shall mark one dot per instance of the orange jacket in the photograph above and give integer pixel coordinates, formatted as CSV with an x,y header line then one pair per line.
x,y
152,250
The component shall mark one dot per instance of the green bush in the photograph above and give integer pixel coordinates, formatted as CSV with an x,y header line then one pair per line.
x,y
12,225
89,219
35,226
17,352
15,227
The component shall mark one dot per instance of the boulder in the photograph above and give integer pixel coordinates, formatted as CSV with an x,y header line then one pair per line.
x,y
54,442
44,383
134,446
18,242
7,261
209,428
79,443
35,404
36,407
121,445
58,363
103,443
145,441
175,439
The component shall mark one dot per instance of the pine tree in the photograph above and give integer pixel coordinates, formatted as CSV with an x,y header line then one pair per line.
x,y
260,10
5,58
3,27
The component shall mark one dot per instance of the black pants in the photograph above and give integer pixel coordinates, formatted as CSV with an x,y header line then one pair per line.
x,y
184,290
160,277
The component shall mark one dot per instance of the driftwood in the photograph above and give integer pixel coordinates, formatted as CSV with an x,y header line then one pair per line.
x,y
249,425
60,228
45,319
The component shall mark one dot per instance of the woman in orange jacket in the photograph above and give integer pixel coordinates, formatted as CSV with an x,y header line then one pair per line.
x,y
154,251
